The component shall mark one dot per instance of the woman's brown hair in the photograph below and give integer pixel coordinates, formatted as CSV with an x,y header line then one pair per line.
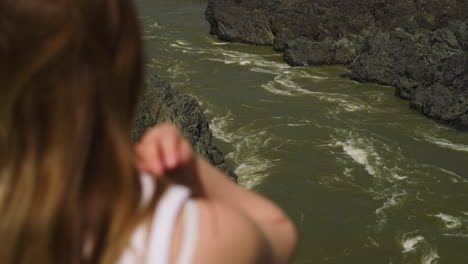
x,y
70,73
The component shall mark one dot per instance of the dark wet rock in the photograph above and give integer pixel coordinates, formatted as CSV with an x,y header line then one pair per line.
x,y
429,69
305,52
418,46
302,52
160,102
250,26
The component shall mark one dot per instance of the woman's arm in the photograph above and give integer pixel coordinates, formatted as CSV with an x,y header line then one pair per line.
x,y
208,182
164,151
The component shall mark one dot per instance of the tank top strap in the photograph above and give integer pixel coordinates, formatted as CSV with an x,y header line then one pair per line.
x,y
151,242
190,235
162,228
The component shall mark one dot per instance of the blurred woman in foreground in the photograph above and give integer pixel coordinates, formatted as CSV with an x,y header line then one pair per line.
x,y
70,190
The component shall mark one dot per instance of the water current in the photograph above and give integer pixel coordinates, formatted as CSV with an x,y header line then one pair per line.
x,y
365,178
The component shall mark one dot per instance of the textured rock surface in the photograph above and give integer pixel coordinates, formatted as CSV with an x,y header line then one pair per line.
x,y
418,46
159,102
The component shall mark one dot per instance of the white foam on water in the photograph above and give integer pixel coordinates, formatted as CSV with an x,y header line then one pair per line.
x,y
285,81
220,43
179,75
252,173
253,165
409,243
183,42
213,41
149,37
393,201
284,85
450,222
272,65
219,127
156,25
446,143
417,244
430,257
304,74
296,125
349,103
359,155
396,176
377,96
455,178
249,150
261,70
348,172
255,62
216,42
461,235
270,87
371,242
383,161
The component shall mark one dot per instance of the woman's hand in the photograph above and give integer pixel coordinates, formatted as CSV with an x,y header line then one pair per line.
x,y
163,149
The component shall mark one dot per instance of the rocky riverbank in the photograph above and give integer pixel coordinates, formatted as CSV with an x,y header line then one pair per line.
x,y
418,46
160,102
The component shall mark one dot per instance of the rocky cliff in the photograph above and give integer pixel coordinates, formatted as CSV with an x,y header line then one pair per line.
x,y
418,46
159,102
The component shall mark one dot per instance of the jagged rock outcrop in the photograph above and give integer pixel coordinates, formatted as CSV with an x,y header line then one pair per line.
x,y
160,102
418,46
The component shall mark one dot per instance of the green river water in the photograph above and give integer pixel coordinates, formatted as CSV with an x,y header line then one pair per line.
x,y
365,178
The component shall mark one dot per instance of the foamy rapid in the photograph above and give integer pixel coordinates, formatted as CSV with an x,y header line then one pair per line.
x,y
461,235
381,212
430,257
446,143
156,25
455,178
249,152
284,83
253,61
364,156
344,102
409,243
450,222
416,245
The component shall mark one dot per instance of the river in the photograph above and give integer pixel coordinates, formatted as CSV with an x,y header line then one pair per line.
x,y
365,178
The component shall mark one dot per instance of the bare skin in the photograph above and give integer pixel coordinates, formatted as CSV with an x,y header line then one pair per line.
x,y
236,225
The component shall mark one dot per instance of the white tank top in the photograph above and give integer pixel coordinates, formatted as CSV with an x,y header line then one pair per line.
x,y
152,244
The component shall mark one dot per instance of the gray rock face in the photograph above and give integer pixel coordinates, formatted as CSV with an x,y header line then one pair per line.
x,y
418,46
159,102
430,69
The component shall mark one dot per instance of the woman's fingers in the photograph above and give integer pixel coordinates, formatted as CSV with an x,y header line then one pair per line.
x,y
163,149
169,149
186,152
149,156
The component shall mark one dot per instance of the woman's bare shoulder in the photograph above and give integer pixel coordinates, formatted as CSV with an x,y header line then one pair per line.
x,y
228,236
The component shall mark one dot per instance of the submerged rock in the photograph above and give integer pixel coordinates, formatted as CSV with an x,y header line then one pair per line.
x,y
160,102
420,47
